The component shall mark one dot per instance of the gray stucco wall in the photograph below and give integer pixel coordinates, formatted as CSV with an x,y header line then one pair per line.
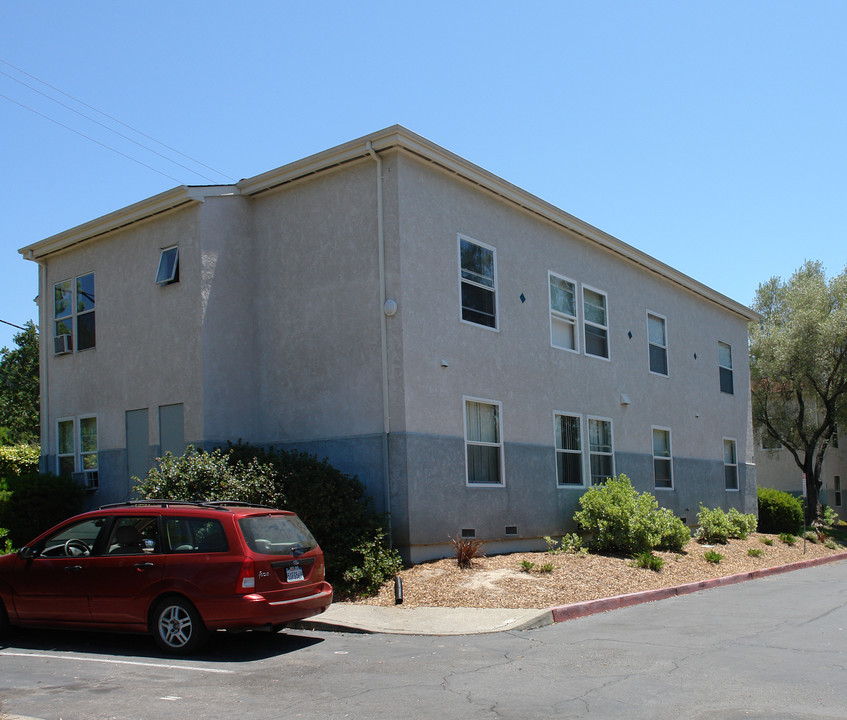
x,y
273,336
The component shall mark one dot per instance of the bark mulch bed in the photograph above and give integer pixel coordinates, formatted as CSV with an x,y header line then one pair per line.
x,y
499,581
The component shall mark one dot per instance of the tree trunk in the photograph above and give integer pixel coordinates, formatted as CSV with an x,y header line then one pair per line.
x,y
813,492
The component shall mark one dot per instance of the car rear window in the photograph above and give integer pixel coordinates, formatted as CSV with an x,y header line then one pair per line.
x,y
201,535
277,535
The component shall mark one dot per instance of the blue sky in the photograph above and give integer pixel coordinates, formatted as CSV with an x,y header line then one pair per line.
x,y
711,135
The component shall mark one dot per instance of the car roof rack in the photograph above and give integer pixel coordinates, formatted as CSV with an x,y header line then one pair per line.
x,y
239,503
156,502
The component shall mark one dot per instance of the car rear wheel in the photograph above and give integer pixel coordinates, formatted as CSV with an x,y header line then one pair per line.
x,y
178,627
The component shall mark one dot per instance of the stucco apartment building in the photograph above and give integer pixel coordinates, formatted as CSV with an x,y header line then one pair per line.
x,y
475,355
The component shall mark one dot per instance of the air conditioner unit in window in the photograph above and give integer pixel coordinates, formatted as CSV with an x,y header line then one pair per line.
x,y
62,344
86,478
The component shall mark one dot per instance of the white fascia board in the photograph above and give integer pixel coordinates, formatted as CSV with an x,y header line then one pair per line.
x,y
163,202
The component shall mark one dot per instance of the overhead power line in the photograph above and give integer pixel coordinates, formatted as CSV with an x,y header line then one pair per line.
x,y
103,125
108,147
113,119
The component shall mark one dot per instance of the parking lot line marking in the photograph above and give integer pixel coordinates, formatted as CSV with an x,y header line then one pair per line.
x,y
117,662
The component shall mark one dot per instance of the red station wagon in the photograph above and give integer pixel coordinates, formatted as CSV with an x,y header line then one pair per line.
x,y
177,570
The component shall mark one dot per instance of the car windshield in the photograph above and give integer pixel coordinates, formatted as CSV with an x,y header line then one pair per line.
x,y
277,535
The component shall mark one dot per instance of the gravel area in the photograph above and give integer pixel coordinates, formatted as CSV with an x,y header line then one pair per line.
x,y
500,582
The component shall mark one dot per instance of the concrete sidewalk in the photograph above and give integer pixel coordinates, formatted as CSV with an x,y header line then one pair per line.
x,y
349,617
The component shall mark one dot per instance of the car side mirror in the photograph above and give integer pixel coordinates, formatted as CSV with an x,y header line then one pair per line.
x,y
28,553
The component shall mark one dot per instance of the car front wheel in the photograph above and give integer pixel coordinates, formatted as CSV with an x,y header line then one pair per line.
x,y
177,626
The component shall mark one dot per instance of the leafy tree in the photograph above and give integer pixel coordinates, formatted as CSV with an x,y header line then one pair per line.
x,y
798,367
19,391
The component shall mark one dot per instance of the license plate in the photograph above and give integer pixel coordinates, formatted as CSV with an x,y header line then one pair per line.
x,y
293,574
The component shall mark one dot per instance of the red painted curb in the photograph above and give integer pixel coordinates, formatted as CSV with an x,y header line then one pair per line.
x,y
591,607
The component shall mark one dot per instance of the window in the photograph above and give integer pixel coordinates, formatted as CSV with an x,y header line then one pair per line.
x,y
168,271
730,464
563,313
568,429
483,447
836,487
600,453
73,314
66,453
134,536
657,341
477,269
725,367
596,323
77,448
662,459
769,442
186,535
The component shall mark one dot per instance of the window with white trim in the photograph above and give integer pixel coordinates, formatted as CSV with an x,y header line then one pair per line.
x,y
478,283
563,323
725,367
77,445
730,464
568,431
595,322
483,444
73,314
601,456
662,459
836,488
66,452
657,343
168,271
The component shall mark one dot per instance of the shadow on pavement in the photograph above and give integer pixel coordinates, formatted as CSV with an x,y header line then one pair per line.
x,y
222,647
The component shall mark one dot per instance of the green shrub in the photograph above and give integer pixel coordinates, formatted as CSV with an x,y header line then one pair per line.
x,y
570,544
787,538
32,504
766,541
742,524
648,561
717,526
6,546
811,536
755,552
379,563
673,533
831,544
19,460
333,505
828,516
778,511
546,568
712,556
714,525
526,565
621,519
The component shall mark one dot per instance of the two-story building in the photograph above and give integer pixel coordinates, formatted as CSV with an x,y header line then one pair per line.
x,y
475,355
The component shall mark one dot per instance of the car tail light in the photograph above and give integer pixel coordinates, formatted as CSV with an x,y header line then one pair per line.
x,y
247,577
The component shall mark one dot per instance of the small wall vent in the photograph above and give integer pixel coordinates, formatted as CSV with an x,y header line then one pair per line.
x,y
511,529
468,532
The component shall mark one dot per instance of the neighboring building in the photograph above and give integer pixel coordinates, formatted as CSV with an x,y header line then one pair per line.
x,y
475,355
775,468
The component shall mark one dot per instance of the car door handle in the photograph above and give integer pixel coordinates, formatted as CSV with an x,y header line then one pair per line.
x,y
144,566
73,568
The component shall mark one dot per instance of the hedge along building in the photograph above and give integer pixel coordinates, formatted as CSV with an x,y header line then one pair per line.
x,y
475,355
